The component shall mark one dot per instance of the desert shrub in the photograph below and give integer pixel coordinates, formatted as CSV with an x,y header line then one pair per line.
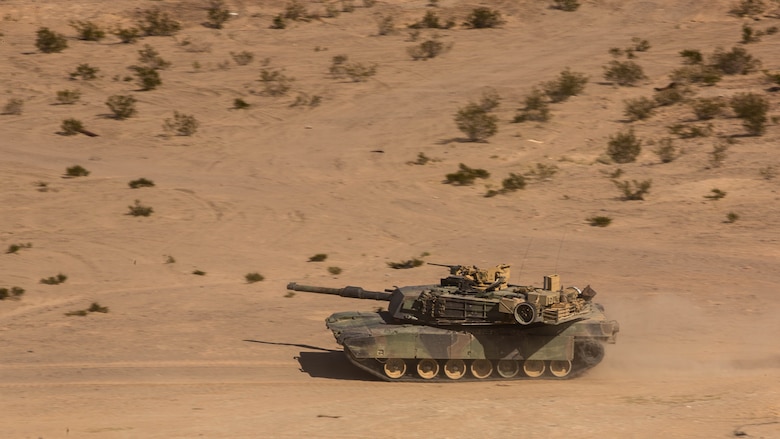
x,y
599,221
566,85
624,73
15,293
306,100
671,95
477,123
127,35
719,153
335,270
633,190
295,11
431,21
181,124
122,106
149,56
148,78
71,126
465,175
88,31
772,77
707,108
748,8
240,104
170,260
482,18
319,257
278,22
54,280
253,277
76,171
409,263
566,5
141,182
731,217
696,74
357,72
421,160
750,35
690,131
735,61
428,49
275,82
771,30
768,172
158,23
48,41
13,106
536,108
385,25
542,172
85,72
640,44
513,183
752,109
692,56
624,147
715,194
138,209
94,307
13,248
217,14
242,58
68,97
639,108
667,151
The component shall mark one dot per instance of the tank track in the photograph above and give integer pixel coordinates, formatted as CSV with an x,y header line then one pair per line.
x,y
587,354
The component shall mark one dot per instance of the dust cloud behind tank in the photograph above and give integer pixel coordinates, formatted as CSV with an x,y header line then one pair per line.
x,y
473,325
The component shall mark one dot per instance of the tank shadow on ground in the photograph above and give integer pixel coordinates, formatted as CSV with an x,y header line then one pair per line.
x,y
333,365
328,363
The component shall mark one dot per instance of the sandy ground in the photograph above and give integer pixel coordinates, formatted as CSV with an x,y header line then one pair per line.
x,y
265,188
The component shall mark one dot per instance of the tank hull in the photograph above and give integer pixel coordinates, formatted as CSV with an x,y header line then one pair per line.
x,y
408,352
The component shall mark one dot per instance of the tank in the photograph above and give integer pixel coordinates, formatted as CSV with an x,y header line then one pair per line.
x,y
473,325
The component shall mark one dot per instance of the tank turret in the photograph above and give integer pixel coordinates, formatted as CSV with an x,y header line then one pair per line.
x,y
473,324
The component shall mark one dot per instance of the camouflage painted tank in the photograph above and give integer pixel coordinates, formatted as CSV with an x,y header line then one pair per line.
x,y
473,325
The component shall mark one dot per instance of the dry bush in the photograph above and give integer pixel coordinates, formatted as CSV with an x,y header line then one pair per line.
x,y
696,74
536,108
639,108
624,147
566,5
157,23
13,107
71,127
634,190
122,106
127,35
428,49
692,56
752,109
151,58
667,151
242,58
385,25
48,41
148,77
672,95
68,97
88,31
566,85
181,124
624,73
85,72
483,18
476,122
465,175
736,61
707,108
748,8
275,82
217,14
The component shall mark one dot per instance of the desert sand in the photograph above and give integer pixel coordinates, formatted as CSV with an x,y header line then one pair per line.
x,y
263,189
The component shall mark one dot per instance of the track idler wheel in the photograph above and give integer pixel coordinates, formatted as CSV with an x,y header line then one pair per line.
x,y
507,368
533,368
455,369
395,368
560,368
588,353
427,368
481,368
525,313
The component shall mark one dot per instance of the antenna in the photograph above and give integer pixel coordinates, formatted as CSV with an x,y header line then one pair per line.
x,y
563,238
527,249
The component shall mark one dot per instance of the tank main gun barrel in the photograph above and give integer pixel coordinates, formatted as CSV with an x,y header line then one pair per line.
x,y
451,267
352,292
